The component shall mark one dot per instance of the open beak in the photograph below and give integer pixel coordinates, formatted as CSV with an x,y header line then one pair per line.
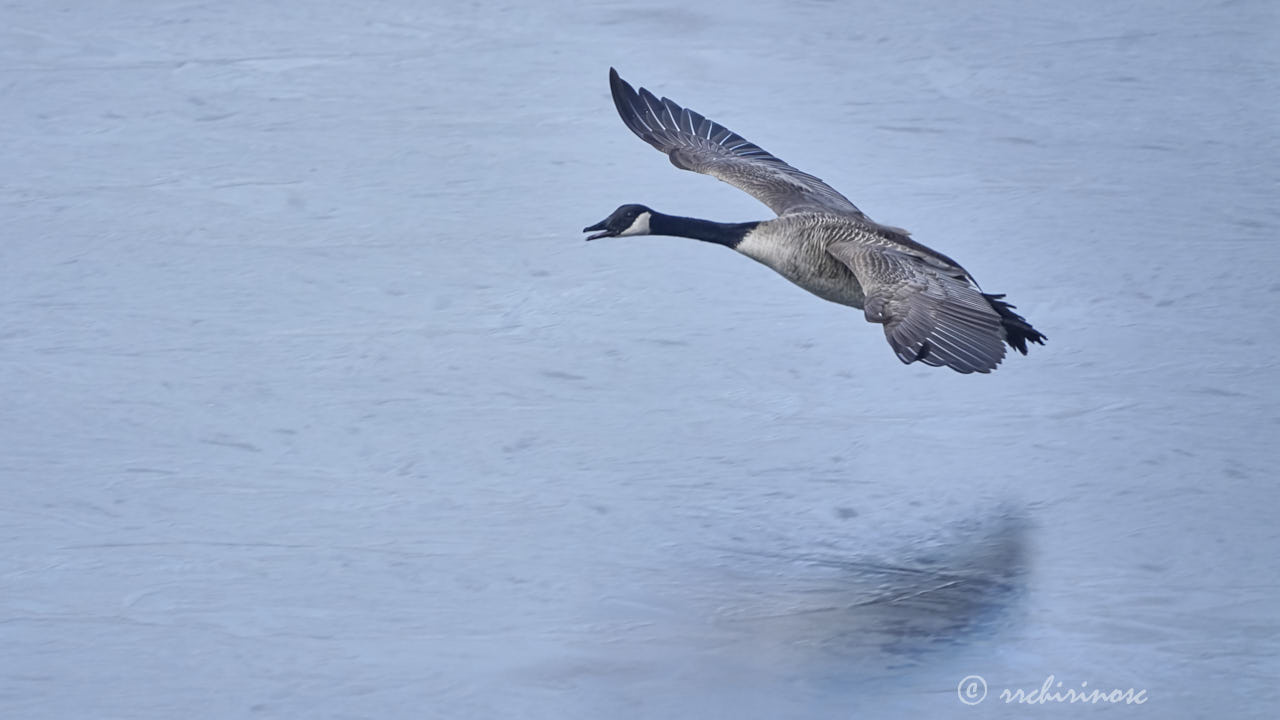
x,y
604,232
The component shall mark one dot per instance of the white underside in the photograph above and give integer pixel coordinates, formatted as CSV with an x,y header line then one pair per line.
x,y
805,263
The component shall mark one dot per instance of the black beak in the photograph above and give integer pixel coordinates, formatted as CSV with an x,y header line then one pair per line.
x,y
605,232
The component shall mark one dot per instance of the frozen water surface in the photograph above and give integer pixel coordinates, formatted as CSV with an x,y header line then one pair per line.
x,y
316,404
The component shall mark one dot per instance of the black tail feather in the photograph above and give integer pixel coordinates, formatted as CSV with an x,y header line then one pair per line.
x,y
1017,331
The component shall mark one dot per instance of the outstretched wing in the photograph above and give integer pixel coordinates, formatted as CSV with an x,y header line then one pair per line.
x,y
930,308
693,142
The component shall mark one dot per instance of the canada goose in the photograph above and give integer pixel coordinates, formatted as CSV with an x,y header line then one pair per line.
x,y
931,308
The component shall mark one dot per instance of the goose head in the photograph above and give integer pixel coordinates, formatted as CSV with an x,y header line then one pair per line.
x,y
626,220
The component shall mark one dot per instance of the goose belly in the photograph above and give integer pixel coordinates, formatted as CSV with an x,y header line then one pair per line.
x,y
806,264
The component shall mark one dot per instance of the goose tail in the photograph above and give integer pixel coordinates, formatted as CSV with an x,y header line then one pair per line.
x,y
1017,331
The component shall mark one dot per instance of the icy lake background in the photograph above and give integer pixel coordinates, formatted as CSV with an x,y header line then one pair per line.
x,y
316,405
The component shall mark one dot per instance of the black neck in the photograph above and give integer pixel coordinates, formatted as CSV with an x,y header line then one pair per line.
x,y
727,234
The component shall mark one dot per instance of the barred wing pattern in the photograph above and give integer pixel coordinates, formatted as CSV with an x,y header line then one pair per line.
x,y
930,309
694,142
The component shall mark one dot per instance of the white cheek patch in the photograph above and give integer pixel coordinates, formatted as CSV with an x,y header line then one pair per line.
x,y
639,226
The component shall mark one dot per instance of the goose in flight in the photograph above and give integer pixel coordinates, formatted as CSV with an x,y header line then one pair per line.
x,y
931,308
